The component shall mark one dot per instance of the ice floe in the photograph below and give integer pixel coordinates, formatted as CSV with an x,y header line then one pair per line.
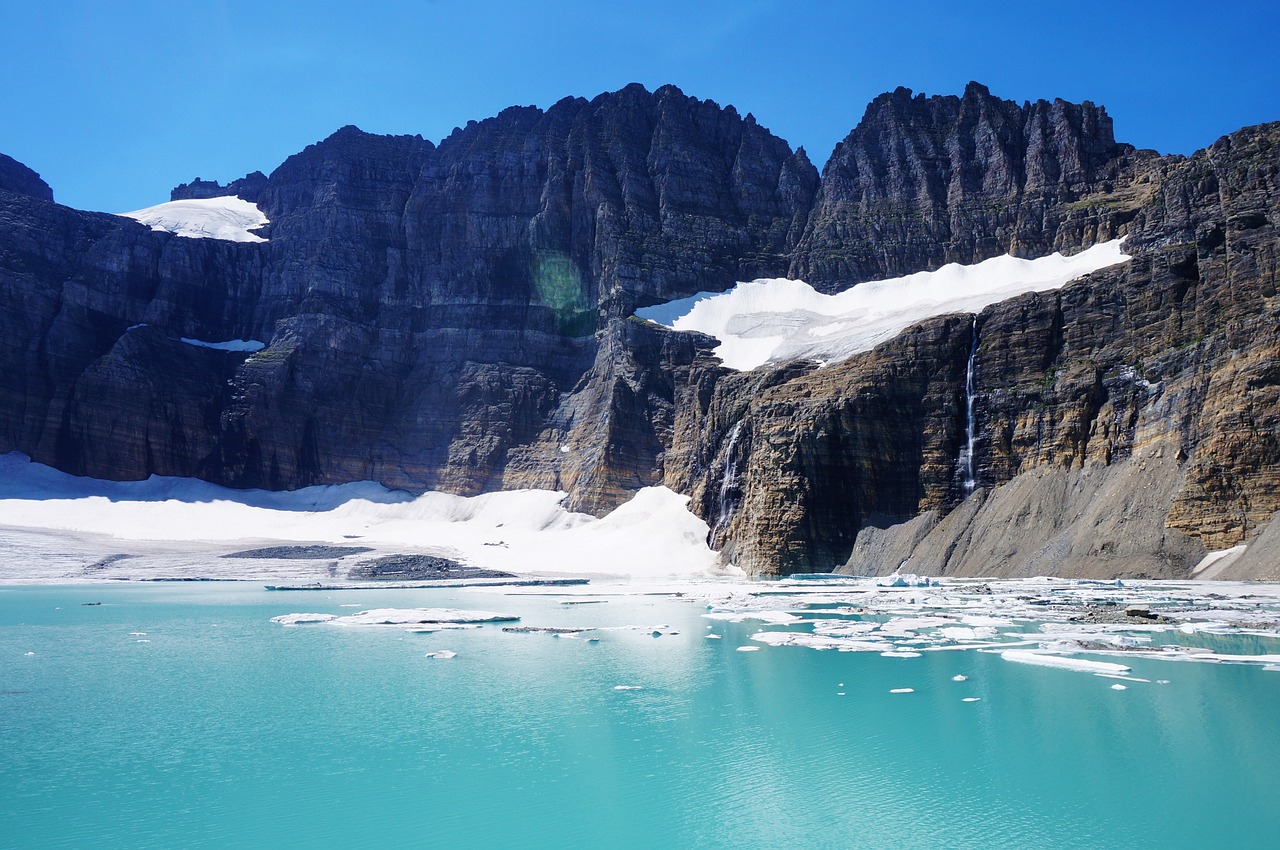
x,y
1046,621
1084,665
441,617
442,653
772,320
229,218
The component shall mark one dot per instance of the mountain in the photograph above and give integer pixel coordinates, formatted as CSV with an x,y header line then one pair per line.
x,y
460,316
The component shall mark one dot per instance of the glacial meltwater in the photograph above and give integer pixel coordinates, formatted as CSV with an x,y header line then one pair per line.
x,y
182,716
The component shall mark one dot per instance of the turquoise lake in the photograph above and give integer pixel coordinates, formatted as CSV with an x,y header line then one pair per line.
x,y
224,729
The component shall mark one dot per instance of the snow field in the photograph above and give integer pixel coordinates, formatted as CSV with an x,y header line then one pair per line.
x,y
228,218
773,320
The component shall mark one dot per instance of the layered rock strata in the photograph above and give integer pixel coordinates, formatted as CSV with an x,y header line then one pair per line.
x,y
457,316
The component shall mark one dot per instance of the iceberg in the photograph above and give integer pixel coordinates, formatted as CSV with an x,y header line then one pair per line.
x,y
1026,656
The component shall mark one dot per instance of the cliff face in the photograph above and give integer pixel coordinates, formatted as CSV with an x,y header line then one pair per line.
x,y
427,309
457,316
1124,424
924,181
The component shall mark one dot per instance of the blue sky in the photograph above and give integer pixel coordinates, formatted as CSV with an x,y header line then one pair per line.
x,y
115,103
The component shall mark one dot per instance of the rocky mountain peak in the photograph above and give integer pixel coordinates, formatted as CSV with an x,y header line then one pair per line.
x,y
21,180
247,188
926,180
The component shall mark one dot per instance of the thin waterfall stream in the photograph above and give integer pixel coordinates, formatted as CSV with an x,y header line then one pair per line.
x,y
971,431
728,482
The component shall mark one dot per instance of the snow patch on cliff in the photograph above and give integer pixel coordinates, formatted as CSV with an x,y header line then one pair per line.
x,y
228,218
772,320
249,345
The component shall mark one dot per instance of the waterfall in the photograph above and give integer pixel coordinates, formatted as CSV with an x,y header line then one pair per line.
x,y
728,483
966,459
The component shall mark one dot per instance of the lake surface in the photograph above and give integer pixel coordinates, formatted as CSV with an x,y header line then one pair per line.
x,y
219,728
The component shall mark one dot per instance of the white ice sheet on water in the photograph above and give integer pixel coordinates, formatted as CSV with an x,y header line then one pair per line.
x,y
771,320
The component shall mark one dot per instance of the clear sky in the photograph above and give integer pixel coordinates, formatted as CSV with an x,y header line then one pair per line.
x,y
114,103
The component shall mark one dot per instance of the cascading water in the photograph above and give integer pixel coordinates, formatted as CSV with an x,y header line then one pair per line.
x,y
966,460
728,484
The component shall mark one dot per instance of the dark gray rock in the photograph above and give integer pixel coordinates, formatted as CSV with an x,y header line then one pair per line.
x,y
924,181
248,188
419,568
20,180
302,553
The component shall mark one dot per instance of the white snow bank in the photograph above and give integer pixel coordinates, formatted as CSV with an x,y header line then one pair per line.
x,y
651,536
249,345
771,320
227,218
1027,656
1223,558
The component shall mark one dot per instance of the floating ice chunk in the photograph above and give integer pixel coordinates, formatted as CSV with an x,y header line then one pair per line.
x,y
712,637
28,654
627,688
900,653
972,699
897,579
902,690
839,693
442,653
959,678
844,628
819,641
420,616
437,618
299,619
1119,687
142,640
137,634
748,649
1123,676
780,618
907,625
228,218
1209,627
442,627
1027,656
967,633
983,620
